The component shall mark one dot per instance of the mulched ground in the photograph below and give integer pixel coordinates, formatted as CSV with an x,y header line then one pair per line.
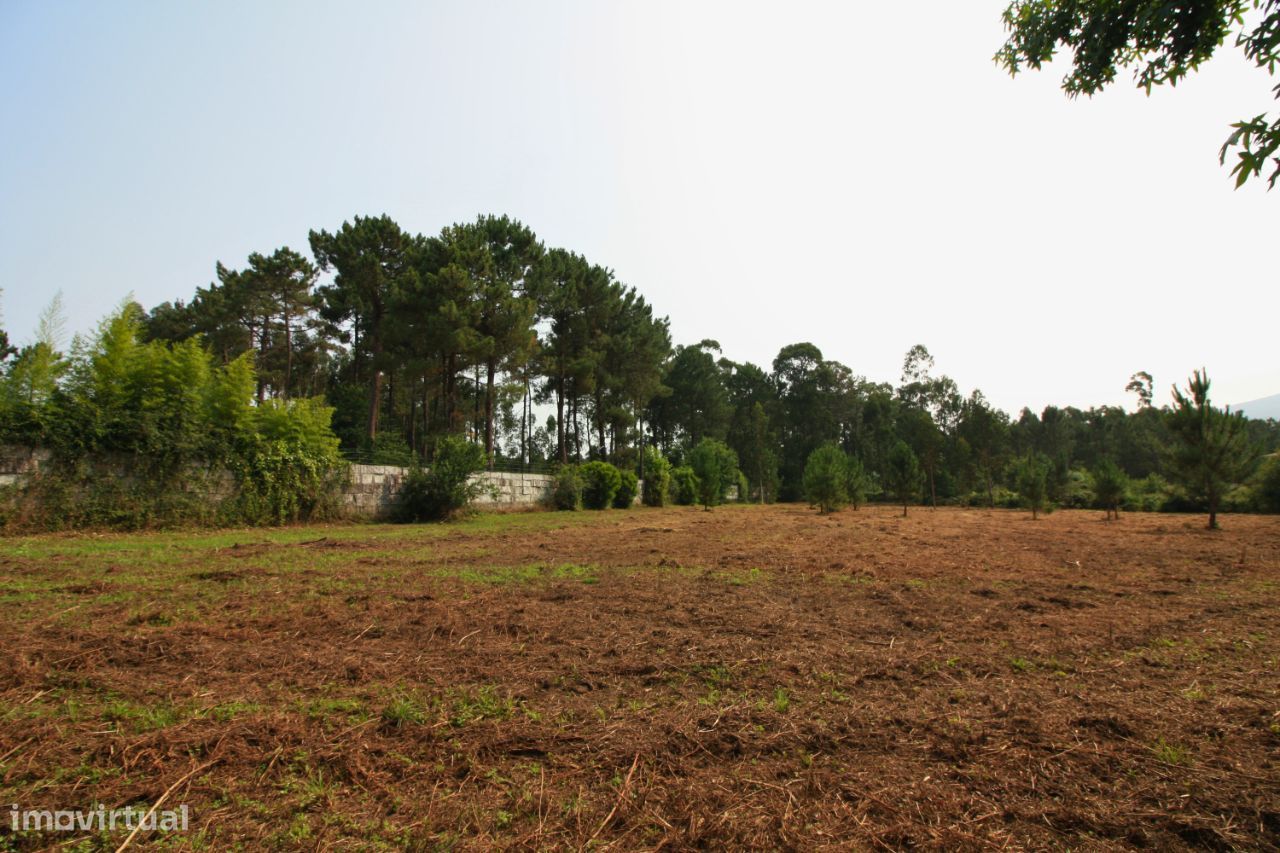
x,y
752,677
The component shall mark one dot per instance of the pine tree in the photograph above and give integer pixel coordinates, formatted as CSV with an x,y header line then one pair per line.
x,y
903,475
826,478
1033,482
1110,487
1212,449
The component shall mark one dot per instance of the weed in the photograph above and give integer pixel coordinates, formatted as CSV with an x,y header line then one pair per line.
x,y
483,704
402,711
1171,753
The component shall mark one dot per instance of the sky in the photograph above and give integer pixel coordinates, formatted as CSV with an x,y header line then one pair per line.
x,y
861,176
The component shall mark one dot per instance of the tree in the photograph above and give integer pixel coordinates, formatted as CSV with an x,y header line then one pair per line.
x,y
1110,487
283,281
1033,482
1140,384
903,474
985,431
657,478
1162,42
752,439
923,436
698,405
826,478
1212,449
716,468
373,259
1268,488
855,481
506,305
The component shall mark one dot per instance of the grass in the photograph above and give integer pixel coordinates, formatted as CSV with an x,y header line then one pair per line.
x,y
403,711
1171,753
400,605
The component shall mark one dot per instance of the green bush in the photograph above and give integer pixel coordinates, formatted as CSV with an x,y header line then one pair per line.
x,y
446,488
716,467
657,478
1110,487
744,488
1152,493
1077,490
856,481
566,493
626,495
684,486
146,434
390,448
1267,492
826,478
600,482
280,483
1033,475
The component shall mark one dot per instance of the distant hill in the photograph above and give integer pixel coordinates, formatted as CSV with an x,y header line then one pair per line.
x,y
1267,407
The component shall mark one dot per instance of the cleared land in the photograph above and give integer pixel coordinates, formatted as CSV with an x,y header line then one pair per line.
x,y
746,677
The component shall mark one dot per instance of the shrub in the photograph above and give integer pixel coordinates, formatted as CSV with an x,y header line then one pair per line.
x,y
1077,490
1152,493
1110,487
902,476
1267,492
684,486
826,478
627,489
1033,483
744,488
145,433
390,448
657,478
856,481
716,467
600,482
566,493
446,488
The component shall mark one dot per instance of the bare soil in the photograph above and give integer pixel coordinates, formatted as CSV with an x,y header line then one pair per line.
x,y
751,677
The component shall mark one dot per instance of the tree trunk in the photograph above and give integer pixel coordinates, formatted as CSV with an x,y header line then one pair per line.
x,y
524,423
288,356
577,433
375,397
562,446
604,452
262,362
491,368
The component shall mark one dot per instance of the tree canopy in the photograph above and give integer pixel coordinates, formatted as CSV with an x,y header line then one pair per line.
x,y
1162,43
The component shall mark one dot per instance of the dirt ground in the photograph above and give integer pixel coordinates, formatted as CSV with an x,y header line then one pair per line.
x,y
751,677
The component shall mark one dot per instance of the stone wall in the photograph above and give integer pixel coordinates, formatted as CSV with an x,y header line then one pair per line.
x,y
367,493
371,489
19,463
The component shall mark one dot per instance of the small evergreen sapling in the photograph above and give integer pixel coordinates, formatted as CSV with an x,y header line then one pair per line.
x,y
903,474
1110,487
826,478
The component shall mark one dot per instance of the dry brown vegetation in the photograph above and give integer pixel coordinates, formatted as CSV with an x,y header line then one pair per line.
x,y
749,677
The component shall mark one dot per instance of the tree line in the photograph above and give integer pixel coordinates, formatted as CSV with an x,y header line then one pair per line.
x,y
474,331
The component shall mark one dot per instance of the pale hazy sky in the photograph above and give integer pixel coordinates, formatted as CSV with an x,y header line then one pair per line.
x,y
857,175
